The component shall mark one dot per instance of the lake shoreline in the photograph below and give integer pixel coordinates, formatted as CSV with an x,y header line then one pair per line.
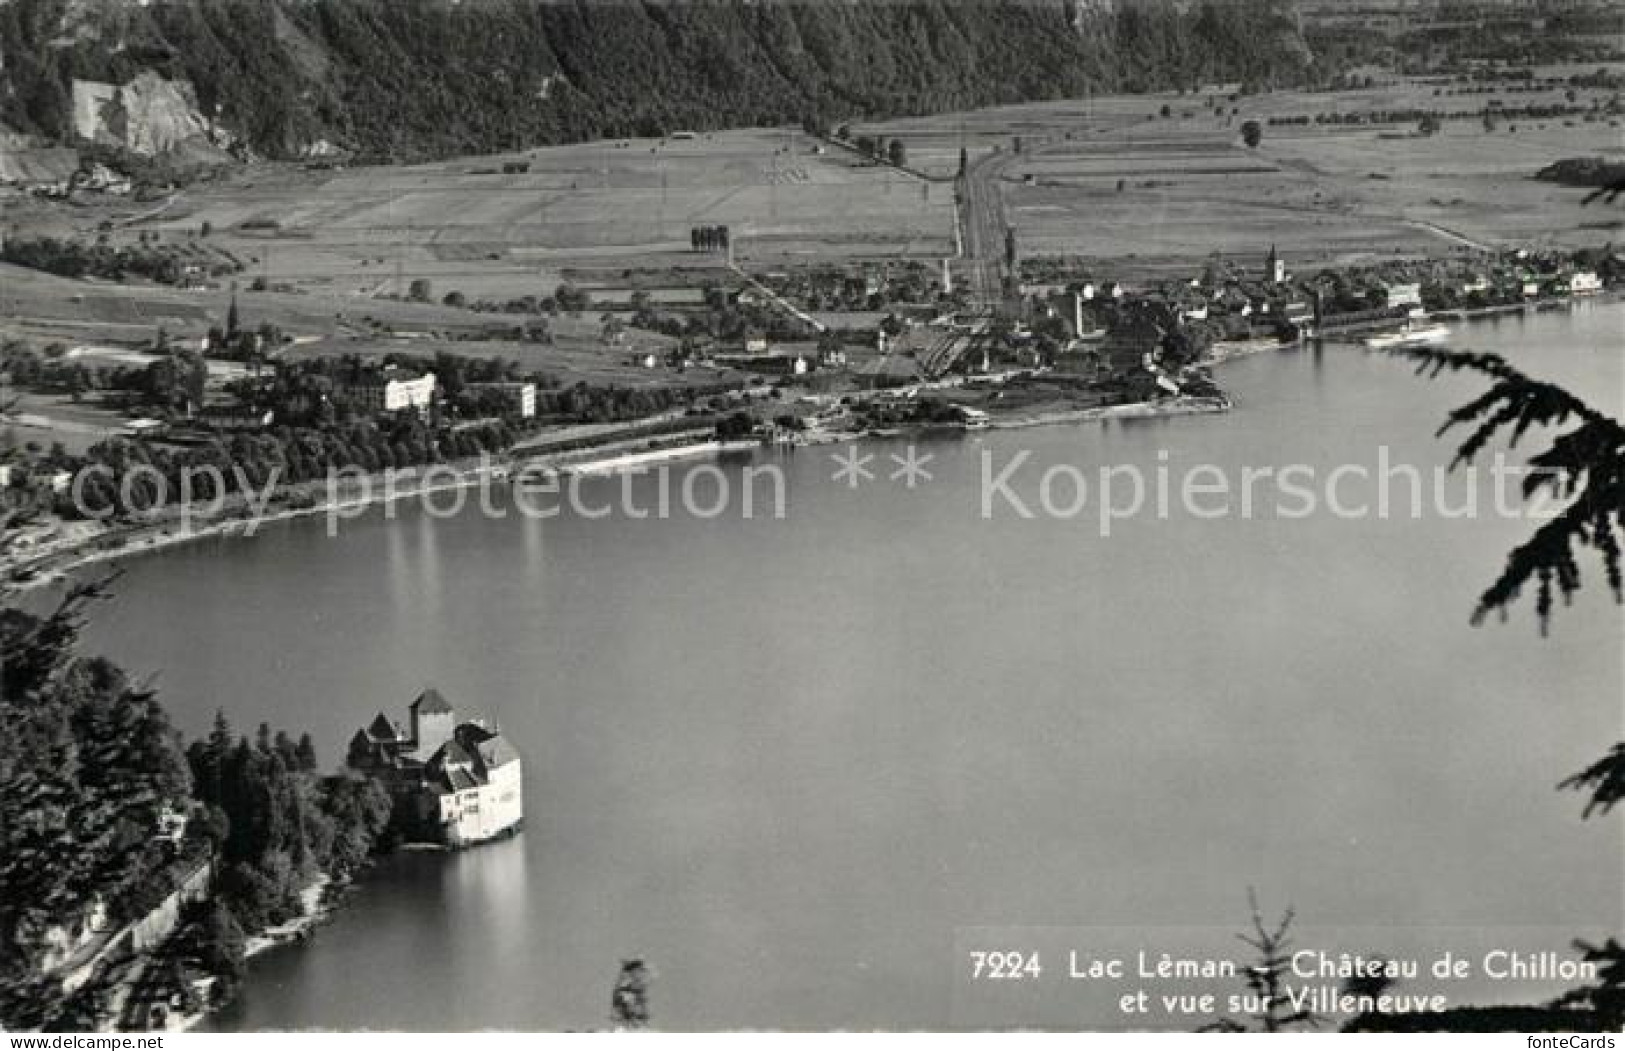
x,y
613,456
608,457
363,491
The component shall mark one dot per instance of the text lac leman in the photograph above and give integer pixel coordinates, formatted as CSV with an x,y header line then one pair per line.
x,y
1149,965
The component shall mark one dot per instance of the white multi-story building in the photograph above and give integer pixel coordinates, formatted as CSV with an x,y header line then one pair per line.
x,y
393,390
520,397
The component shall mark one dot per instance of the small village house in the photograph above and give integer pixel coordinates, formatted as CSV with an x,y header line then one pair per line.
x,y
1585,283
1408,294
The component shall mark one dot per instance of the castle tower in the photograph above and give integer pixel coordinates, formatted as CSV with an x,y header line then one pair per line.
x,y
1274,268
433,721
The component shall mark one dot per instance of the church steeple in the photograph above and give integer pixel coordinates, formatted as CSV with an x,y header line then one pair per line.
x,y
1274,268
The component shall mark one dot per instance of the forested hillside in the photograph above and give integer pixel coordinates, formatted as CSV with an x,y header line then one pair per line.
x,y
416,78
90,769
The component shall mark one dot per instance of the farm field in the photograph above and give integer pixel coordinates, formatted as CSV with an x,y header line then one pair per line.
x,y
1113,180
467,225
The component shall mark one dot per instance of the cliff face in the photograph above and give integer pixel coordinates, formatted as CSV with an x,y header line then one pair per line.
x,y
414,78
148,116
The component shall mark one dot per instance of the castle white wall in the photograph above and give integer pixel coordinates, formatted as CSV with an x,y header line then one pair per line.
x,y
490,810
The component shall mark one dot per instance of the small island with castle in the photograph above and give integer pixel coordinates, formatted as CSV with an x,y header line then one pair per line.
x,y
453,784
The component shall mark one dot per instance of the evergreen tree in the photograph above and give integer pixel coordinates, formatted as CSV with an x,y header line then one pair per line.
x,y
305,754
1267,979
87,764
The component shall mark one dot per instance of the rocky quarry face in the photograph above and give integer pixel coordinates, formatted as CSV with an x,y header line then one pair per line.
x,y
148,116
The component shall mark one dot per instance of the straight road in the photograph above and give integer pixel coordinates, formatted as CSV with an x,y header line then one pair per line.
x,y
981,216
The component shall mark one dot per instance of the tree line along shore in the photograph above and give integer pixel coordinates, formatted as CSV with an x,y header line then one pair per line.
x,y
1076,349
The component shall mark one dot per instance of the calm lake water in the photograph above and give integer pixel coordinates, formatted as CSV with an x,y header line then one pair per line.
x,y
803,765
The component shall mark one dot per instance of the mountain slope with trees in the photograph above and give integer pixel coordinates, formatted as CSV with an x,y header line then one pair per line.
x,y
407,79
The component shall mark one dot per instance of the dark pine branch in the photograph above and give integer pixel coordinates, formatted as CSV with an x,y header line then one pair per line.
x,y
1586,467
1604,779
34,651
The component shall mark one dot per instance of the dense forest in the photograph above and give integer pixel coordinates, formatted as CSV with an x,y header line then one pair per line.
x,y
91,771
88,762
405,79
276,823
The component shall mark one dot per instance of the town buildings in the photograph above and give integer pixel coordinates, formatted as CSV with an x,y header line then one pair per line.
x,y
1131,345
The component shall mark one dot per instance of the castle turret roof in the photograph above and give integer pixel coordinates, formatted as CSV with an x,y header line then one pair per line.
x,y
430,701
381,729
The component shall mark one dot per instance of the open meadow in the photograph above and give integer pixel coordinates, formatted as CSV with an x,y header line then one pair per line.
x,y
1113,179
590,212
